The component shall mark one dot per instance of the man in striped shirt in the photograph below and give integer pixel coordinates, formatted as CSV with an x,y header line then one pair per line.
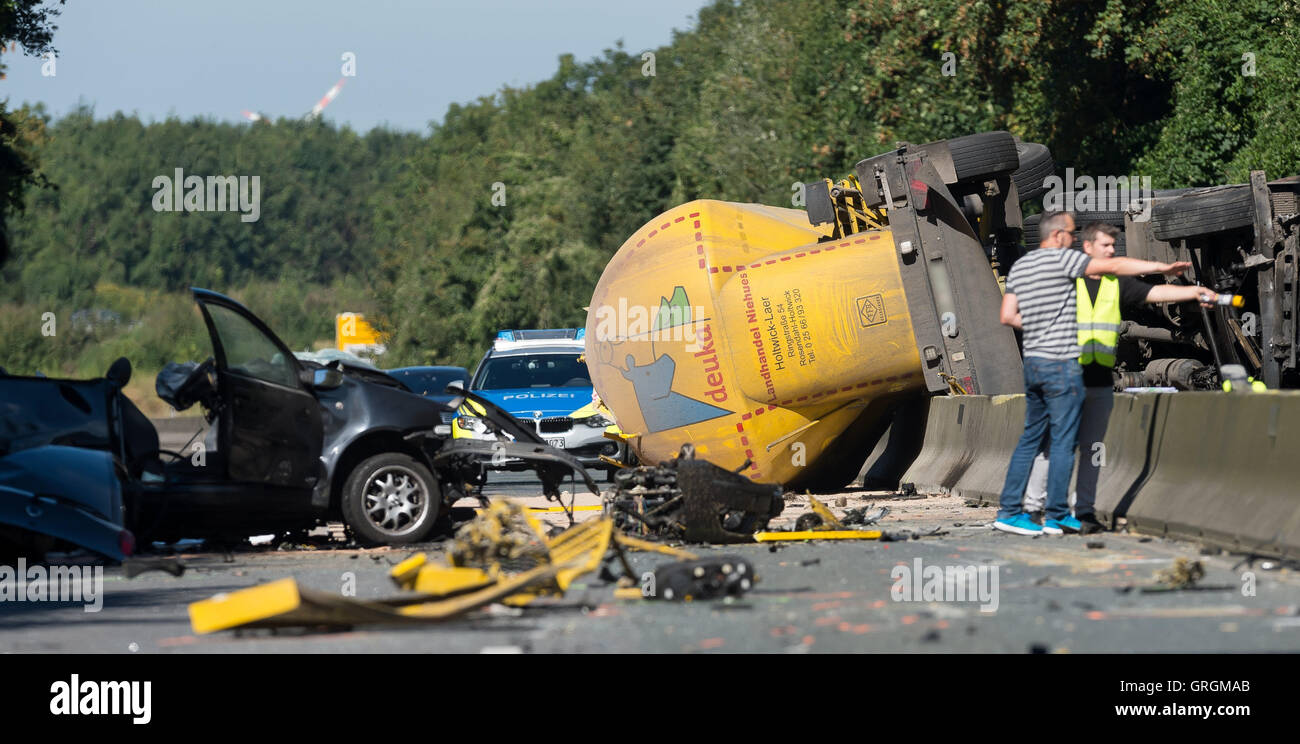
x,y
1040,300
1128,294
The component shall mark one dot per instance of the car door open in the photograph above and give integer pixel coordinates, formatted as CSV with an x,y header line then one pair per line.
x,y
269,426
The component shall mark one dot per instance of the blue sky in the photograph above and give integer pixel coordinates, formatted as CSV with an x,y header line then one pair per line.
x,y
158,58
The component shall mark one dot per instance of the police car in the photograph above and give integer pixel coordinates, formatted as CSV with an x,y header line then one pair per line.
x,y
540,378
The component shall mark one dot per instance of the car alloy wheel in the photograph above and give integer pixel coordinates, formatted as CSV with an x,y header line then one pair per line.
x,y
394,499
391,499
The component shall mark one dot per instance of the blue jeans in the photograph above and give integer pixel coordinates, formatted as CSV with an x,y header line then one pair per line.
x,y
1053,400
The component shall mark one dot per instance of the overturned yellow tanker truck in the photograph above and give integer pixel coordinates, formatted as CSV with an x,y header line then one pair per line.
x,y
780,342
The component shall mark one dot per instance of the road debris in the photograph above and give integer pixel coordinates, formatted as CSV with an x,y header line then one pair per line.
x,y
693,500
706,578
133,567
1182,574
819,535
502,556
865,517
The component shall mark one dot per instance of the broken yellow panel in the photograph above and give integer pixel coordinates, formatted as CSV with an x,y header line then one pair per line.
x,y
730,327
237,608
829,520
282,603
404,573
444,580
582,548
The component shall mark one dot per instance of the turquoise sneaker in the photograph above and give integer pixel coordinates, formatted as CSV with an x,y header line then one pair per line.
x,y
1064,524
1020,524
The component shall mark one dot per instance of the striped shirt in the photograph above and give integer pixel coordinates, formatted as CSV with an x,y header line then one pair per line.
x,y
1043,282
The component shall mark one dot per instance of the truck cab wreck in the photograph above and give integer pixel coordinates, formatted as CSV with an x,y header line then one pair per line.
x,y
1242,239
779,343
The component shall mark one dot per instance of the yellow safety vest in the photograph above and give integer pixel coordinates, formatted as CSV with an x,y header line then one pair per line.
x,y
1099,323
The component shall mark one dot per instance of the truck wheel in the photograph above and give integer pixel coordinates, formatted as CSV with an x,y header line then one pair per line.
x,y
1036,165
1210,211
1030,231
390,499
979,157
1105,216
1083,218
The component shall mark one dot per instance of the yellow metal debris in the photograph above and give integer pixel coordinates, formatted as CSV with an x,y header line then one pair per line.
x,y
483,568
829,520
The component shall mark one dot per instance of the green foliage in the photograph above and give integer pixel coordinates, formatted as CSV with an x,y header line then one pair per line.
x,y
30,23
761,94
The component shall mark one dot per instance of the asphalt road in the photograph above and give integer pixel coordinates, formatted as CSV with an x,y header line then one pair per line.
x,y
1053,594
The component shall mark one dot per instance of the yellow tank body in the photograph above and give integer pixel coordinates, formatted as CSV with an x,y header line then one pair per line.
x,y
729,326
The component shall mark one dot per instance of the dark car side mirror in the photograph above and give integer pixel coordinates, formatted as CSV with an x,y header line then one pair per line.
x,y
325,378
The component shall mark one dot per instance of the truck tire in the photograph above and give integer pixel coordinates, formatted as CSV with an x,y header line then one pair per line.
x,y
1208,211
1104,216
1031,229
391,499
979,157
1036,164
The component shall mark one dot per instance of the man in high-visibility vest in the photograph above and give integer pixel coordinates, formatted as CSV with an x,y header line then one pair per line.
x,y
1041,300
1100,300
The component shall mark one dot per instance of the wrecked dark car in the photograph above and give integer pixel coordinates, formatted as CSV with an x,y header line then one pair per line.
x,y
290,443
59,476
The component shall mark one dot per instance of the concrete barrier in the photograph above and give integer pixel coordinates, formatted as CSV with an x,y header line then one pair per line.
x,y
1219,469
946,450
1226,472
1135,427
991,441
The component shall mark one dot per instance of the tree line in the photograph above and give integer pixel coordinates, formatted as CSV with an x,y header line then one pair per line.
x,y
505,212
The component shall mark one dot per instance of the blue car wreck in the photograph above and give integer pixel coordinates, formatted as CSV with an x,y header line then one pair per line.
x,y
59,478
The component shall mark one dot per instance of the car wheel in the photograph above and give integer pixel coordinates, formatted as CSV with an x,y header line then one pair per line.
x,y
1036,165
391,499
1210,211
979,157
